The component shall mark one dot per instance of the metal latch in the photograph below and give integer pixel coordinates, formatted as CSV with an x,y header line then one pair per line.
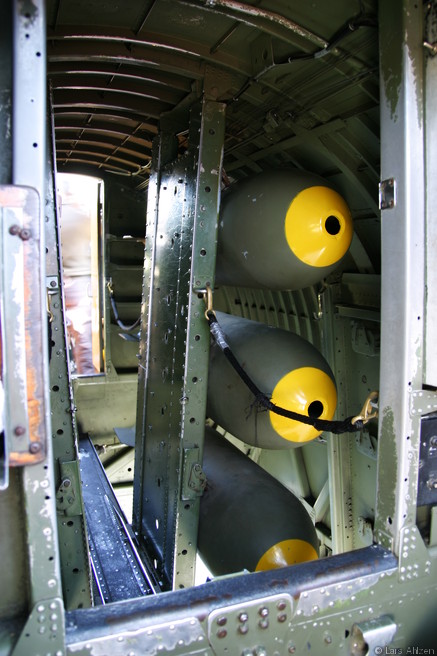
x,y
68,497
193,478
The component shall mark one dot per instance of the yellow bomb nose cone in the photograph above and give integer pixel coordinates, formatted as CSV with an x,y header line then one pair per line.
x,y
287,552
308,391
318,226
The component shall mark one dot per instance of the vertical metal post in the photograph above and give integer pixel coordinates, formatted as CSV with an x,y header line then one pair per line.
x,y
73,546
430,359
174,349
6,92
403,248
44,630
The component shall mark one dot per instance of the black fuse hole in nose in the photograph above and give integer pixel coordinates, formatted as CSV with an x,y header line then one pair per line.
x,y
332,225
315,409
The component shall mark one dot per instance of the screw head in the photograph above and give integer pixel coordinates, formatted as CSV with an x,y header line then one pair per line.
x,y
14,229
19,431
35,447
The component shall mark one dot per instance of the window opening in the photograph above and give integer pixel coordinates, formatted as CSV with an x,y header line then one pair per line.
x,y
78,199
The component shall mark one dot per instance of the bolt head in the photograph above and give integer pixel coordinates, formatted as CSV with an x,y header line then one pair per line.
x,y
35,447
19,431
25,234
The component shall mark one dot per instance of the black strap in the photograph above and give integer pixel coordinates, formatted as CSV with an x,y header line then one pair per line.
x,y
50,334
337,427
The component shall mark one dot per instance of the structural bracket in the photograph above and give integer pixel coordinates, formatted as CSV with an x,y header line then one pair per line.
x,y
423,402
43,632
251,621
68,497
387,194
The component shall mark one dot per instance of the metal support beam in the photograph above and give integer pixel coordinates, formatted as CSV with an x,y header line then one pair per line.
x,y
430,360
73,545
403,248
174,346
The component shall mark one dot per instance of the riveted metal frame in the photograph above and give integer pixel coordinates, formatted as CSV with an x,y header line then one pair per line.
x,y
317,607
333,603
174,346
403,269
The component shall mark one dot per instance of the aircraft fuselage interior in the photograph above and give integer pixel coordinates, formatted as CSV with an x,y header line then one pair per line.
x,y
218,311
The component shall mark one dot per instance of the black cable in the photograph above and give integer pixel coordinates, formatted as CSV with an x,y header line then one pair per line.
x,y
337,427
120,324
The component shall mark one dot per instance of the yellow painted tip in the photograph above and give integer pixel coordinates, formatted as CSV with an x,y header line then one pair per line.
x,y
318,226
308,391
287,552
